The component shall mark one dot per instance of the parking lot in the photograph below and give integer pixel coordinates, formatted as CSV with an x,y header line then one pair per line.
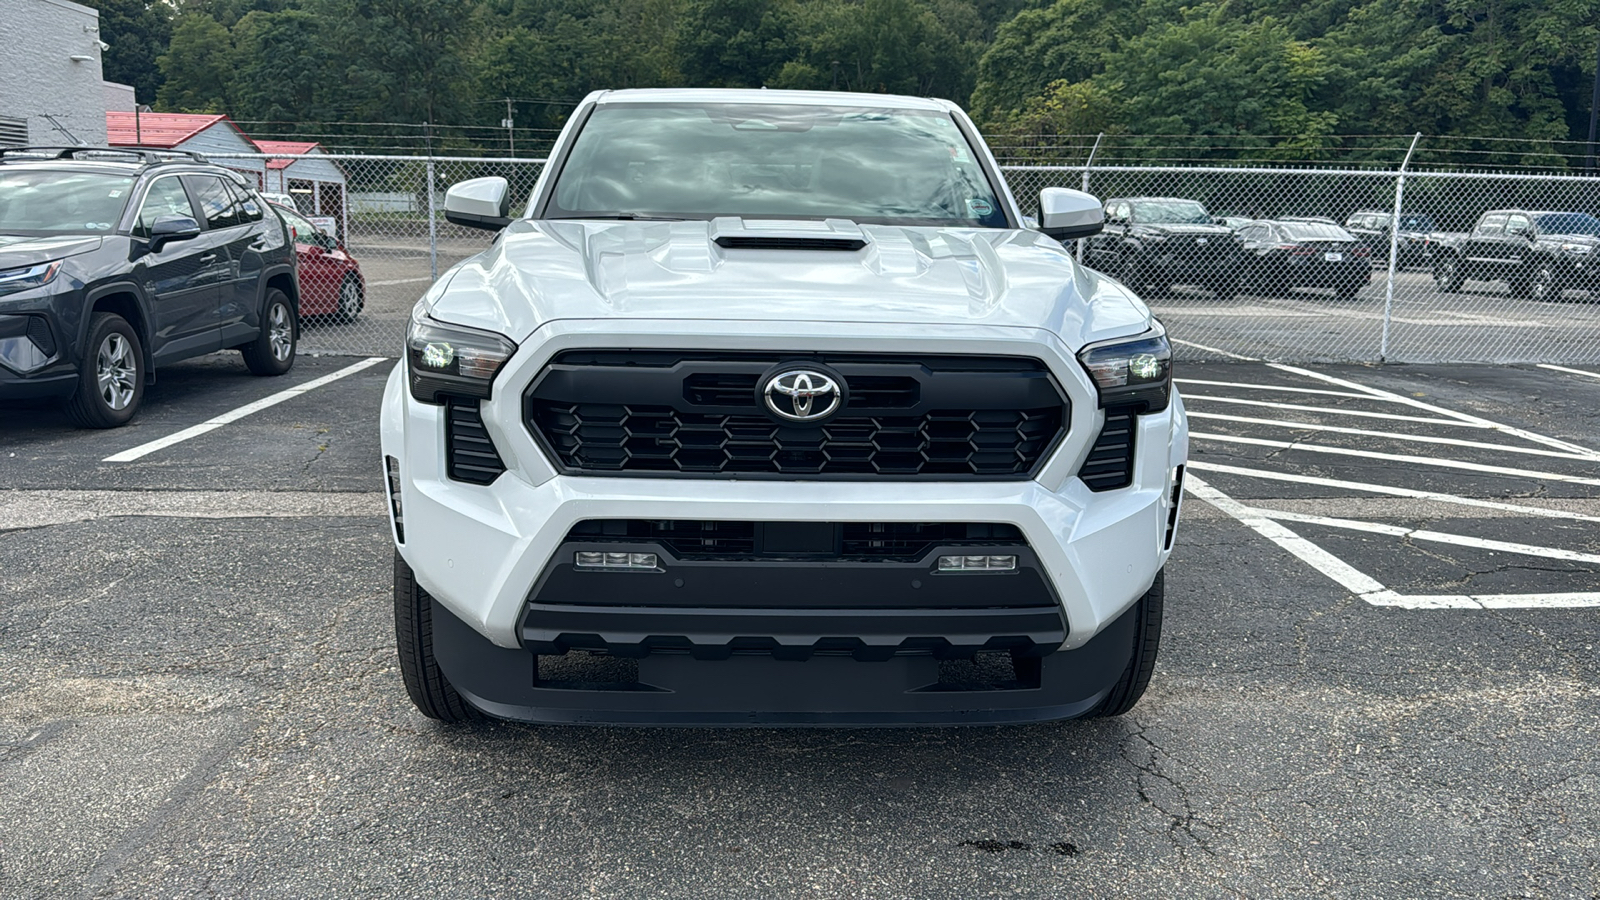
x,y
1378,677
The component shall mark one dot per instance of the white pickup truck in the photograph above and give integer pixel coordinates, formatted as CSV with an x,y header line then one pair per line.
x,y
772,408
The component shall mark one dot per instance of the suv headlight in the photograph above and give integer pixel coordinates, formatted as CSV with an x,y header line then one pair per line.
x,y
451,359
13,280
1132,370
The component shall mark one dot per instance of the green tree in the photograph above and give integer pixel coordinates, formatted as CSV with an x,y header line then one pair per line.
x,y
138,32
287,69
198,66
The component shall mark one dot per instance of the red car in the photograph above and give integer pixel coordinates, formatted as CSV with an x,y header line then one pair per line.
x,y
331,285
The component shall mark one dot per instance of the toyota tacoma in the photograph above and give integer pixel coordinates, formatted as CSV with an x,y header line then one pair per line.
x,y
772,409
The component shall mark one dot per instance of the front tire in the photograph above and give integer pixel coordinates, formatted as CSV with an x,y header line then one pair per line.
x,y
351,300
425,682
272,352
111,378
1544,286
1146,641
1447,275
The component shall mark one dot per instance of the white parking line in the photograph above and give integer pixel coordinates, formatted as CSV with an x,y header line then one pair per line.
x,y
237,414
1364,586
1565,369
1331,410
1531,511
1387,435
1215,350
1274,387
1420,534
398,281
1411,401
1397,457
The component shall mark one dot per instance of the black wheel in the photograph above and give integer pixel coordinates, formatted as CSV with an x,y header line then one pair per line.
x,y
111,376
272,352
1544,286
1447,275
351,300
1146,641
413,634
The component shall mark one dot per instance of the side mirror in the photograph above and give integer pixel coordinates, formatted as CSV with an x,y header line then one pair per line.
x,y
1066,214
172,228
478,203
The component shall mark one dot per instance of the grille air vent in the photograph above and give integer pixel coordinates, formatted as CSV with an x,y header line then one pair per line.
x,y
472,457
1110,462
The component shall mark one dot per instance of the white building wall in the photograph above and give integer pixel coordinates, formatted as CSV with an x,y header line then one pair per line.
x,y
38,76
117,97
221,140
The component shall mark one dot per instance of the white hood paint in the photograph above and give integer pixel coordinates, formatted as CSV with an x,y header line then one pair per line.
x,y
543,271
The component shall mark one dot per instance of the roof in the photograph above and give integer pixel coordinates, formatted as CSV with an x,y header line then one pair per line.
x,y
765,97
291,148
157,129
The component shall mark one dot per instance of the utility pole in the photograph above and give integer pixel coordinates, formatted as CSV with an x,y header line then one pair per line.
x,y
1594,113
506,123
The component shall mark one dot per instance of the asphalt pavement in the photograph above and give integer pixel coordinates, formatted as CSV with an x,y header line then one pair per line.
x,y
1378,679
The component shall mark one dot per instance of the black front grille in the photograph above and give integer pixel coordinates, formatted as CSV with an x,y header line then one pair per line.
x,y
713,540
1110,462
39,333
471,454
666,413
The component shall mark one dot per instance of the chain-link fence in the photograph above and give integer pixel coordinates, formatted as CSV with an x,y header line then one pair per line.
x,y
1351,264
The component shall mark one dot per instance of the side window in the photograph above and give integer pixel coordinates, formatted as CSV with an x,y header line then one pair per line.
x,y
1492,224
216,204
249,206
300,228
1518,225
166,197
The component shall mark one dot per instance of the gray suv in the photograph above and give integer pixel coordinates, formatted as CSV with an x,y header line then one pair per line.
x,y
113,261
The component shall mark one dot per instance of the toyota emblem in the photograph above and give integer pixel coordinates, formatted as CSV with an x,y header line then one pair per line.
x,y
802,395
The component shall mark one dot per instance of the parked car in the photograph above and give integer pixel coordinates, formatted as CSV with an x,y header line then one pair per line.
x,y
1233,222
1372,226
280,199
115,261
772,403
1538,254
1285,255
1153,243
331,285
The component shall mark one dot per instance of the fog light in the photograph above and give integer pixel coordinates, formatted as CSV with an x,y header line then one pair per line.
x,y
977,563
596,560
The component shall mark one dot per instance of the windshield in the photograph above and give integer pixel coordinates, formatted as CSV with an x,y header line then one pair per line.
x,y
1568,223
1312,231
1170,212
876,166
1416,223
61,202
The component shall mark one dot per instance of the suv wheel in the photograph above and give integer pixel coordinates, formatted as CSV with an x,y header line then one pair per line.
x,y
111,378
1146,640
413,632
272,352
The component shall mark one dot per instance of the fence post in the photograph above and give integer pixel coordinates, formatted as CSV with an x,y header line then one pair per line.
x,y
433,227
1394,248
1086,164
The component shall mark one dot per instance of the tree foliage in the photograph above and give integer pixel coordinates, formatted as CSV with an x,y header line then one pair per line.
x,y
1296,73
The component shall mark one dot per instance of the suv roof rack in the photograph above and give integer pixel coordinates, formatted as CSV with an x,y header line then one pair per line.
x,y
149,155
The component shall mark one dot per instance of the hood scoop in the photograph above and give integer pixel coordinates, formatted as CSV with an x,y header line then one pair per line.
x,y
732,233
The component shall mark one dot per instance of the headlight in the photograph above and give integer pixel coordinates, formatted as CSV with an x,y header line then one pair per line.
x,y
13,280
1580,249
1132,370
451,359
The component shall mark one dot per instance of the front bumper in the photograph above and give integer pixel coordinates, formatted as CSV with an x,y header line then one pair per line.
x,y
484,551
33,359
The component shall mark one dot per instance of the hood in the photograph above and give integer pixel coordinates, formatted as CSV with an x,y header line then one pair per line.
x,y
18,250
1570,238
1196,229
802,271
